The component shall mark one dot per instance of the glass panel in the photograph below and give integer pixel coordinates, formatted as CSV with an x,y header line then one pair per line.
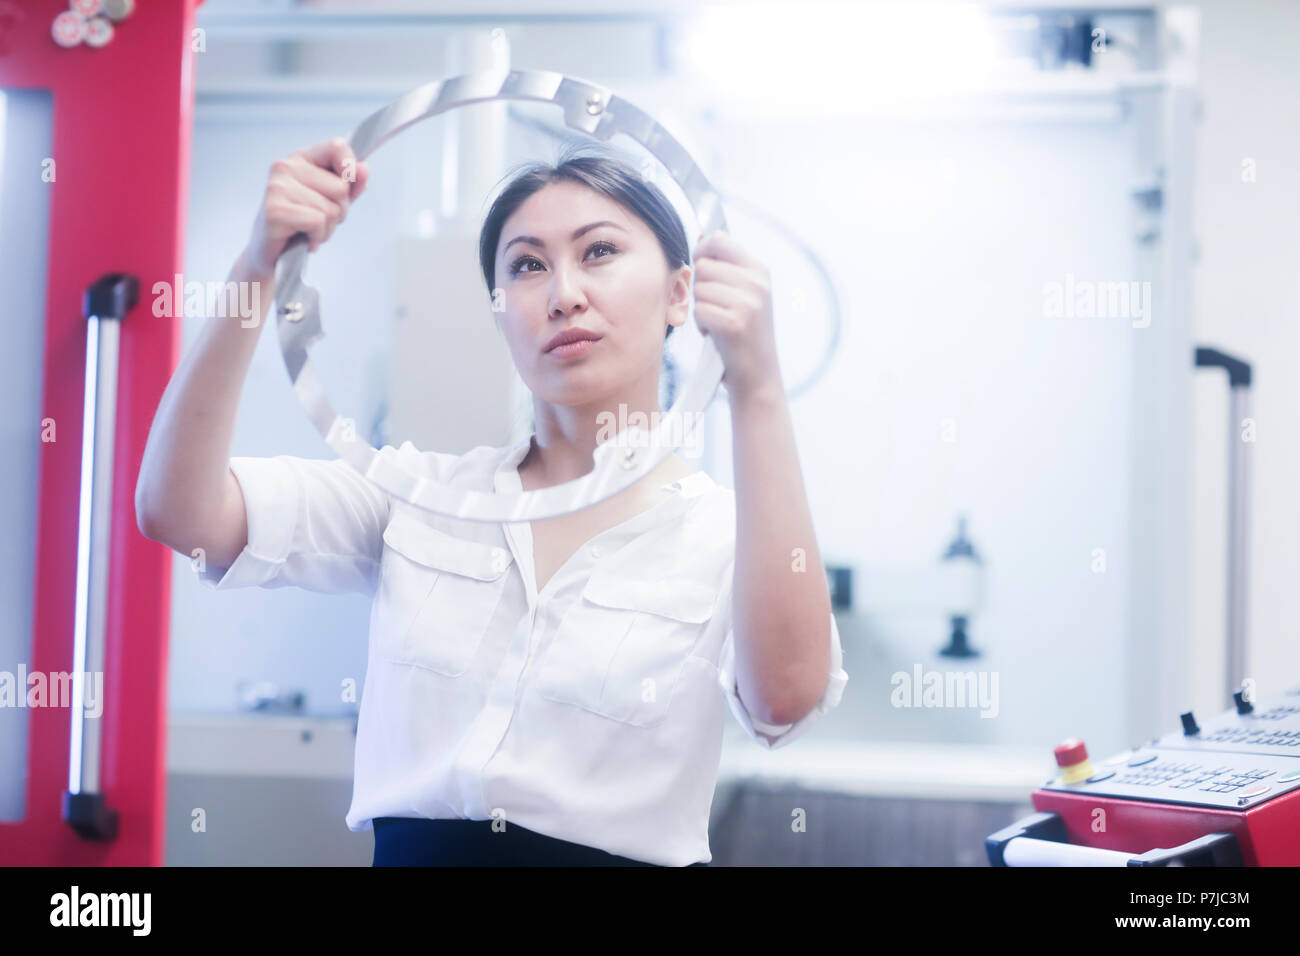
x,y
26,119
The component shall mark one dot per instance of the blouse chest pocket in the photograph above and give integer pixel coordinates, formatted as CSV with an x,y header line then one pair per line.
x,y
620,648
437,595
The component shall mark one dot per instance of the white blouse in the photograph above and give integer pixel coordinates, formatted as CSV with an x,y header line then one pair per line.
x,y
591,712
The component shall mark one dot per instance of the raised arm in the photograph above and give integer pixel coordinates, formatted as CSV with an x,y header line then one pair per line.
x,y
186,496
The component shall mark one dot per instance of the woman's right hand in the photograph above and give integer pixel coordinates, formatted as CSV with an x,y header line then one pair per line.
x,y
308,191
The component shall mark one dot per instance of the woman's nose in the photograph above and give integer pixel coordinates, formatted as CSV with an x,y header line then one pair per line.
x,y
566,291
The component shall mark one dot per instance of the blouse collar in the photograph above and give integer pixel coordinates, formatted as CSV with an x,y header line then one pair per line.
x,y
507,481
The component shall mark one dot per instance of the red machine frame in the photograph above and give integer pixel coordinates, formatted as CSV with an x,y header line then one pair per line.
x,y
121,145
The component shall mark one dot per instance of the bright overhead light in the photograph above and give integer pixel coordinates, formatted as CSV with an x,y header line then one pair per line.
x,y
786,53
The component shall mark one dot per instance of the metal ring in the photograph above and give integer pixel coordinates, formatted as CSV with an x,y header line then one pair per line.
x,y
619,462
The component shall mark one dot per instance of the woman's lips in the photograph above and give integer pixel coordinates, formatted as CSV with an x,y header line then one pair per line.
x,y
580,347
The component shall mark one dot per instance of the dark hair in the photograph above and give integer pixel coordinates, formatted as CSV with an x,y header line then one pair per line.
x,y
607,174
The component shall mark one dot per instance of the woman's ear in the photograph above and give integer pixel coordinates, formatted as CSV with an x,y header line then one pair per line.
x,y
679,296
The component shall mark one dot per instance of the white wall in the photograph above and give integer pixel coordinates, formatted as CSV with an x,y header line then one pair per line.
x,y
1248,303
942,237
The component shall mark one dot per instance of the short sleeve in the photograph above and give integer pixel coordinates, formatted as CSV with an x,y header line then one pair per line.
x,y
313,524
772,736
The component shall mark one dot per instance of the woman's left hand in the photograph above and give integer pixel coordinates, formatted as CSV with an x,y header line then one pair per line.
x,y
733,306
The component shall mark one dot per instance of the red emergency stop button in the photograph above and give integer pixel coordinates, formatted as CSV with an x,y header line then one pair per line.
x,y
1072,757
1070,752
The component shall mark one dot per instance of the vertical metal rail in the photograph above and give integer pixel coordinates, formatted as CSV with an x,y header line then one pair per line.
x,y
1239,378
107,301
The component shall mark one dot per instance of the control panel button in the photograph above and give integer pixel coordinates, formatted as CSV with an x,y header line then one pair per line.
x,y
1072,757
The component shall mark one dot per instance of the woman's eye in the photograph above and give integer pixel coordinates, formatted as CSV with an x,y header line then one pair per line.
x,y
517,266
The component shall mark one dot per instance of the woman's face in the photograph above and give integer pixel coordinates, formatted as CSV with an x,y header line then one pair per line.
x,y
570,257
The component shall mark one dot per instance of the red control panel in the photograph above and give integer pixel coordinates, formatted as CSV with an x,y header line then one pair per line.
x,y
1231,787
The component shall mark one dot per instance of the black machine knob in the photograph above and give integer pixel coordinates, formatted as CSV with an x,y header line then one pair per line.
x,y
1189,724
1243,706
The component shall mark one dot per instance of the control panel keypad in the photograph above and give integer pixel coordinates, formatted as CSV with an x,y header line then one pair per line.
x,y
1238,760
1184,775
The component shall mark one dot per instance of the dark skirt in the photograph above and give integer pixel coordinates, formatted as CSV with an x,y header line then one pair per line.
x,y
417,841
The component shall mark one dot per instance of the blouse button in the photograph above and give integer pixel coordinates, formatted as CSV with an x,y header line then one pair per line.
x,y
595,551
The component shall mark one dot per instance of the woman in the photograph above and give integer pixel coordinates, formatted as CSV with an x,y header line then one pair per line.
x,y
551,691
